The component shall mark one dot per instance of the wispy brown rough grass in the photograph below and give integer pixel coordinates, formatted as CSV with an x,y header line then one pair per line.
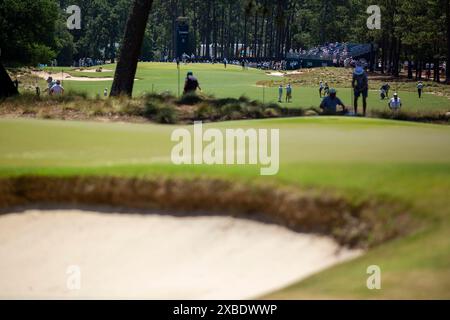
x,y
355,225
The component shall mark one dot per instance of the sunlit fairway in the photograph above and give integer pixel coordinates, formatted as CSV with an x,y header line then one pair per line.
x,y
235,82
359,158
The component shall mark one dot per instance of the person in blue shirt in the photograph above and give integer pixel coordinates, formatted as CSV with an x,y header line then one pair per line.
x,y
360,85
419,89
280,93
326,90
329,104
288,93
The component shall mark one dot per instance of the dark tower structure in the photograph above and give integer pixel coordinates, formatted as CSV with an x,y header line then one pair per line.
x,y
182,37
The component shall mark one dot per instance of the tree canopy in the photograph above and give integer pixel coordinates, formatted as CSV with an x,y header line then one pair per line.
x,y
34,30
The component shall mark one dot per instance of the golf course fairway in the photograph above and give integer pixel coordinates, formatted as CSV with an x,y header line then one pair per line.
x,y
254,83
356,159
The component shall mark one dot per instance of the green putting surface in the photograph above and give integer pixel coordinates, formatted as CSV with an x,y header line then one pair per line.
x,y
361,158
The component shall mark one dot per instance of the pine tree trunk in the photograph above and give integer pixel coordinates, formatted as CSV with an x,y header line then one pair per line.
x,y
437,71
222,34
383,56
208,31
230,51
7,87
214,31
131,48
447,67
255,36
245,36
410,73
416,63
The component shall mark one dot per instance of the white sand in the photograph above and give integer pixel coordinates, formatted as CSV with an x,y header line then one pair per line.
x,y
153,256
275,74
67,77
281,74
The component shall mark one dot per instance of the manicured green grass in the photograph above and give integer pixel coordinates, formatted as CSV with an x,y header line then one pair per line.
x,y
234,82
361,158
319,140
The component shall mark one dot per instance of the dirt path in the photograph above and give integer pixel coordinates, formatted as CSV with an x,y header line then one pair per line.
x,y
153,256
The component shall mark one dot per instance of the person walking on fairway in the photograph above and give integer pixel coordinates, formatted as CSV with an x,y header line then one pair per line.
x,y
280,93
382,93
326,90
395,103
288,93
419,89
385,89
320,88
191,84
360,85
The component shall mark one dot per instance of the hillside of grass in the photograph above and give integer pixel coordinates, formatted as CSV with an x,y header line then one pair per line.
x,y
359,159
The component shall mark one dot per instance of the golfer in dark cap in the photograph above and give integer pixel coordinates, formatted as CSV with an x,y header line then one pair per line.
x,y
329,104
191,83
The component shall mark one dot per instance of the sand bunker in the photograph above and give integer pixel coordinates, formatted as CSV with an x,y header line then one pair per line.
x,y
275,74
154,256
281,74
67,77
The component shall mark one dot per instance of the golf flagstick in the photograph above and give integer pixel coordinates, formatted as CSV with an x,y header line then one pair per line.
x,y
178,67
352,101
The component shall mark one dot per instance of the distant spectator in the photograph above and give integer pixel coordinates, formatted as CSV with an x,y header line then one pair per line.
x,y
326,89
280,93
57,89
191,83
386,87
419,89
50,84
288,93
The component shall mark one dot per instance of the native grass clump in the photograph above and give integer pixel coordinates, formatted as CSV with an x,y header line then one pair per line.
x,y
160,108
166,108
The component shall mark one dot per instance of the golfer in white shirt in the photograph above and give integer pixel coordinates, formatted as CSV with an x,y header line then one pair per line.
x,y
395,103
